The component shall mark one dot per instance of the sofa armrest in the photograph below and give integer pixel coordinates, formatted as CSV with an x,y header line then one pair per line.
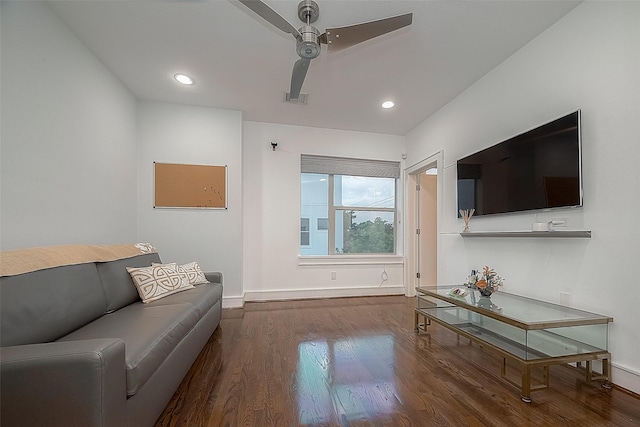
x,y
214,277
73,383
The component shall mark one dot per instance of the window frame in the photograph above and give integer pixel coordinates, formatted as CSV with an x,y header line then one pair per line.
x,y
331,212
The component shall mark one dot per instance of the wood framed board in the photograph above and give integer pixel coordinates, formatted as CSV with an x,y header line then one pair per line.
x,y
190,186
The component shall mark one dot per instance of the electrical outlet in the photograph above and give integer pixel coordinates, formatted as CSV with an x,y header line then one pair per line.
x,y
565,299
333,275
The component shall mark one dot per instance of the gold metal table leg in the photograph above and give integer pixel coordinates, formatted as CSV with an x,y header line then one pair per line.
x,y
526,384
421,326
604,375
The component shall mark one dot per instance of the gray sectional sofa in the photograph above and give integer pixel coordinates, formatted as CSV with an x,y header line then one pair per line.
x,y
79,348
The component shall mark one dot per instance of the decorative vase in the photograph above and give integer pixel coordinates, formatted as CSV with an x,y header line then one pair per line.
x,y
485,292
485,302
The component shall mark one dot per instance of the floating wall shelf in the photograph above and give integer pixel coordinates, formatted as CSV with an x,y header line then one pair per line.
x,y
565,234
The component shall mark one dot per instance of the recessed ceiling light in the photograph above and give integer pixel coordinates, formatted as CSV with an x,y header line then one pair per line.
x,y
388,104
184,79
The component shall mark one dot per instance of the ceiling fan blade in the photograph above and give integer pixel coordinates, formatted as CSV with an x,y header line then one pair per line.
x,y
344,37
297,77
271,16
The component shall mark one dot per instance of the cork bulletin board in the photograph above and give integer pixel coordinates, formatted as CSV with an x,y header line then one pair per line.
x,y
190,186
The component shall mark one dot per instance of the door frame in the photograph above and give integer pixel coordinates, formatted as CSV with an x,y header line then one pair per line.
x,y
411,217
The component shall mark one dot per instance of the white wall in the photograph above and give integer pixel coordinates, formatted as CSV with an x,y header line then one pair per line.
x,y
169,133
68,166
272,214
588,60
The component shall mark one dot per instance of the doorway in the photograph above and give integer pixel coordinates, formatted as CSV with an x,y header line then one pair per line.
x,y
427,228
424,195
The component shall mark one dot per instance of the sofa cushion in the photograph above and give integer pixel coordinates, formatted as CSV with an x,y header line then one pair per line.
x,y
118,287
202,297
150,333
45,305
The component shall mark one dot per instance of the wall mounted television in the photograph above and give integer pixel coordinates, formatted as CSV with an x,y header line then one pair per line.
x,y
538,169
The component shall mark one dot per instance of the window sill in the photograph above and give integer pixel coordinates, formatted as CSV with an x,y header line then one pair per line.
x,y
350,260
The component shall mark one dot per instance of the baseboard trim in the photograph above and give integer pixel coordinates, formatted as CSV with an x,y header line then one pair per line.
x,y
233,302
293,294
625,378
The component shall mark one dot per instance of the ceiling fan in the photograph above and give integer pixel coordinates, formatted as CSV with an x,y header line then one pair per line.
x,y
308,38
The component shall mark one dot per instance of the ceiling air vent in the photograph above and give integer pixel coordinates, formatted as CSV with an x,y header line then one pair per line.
x,y
302,98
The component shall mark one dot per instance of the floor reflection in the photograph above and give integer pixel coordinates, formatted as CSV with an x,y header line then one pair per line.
x,y
346,379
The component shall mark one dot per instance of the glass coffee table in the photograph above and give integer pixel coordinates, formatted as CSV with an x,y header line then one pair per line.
x,y
535,334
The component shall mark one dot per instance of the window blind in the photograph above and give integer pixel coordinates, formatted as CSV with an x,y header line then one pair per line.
x,y
348,166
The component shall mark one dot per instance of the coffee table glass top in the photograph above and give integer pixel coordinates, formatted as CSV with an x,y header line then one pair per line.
x,y
528,313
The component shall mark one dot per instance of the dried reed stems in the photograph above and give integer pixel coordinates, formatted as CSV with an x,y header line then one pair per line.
x,y
466,215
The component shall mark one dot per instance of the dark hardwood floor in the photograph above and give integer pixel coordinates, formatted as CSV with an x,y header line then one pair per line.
x,y
359,362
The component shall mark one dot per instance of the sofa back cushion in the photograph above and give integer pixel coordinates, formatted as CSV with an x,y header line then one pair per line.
x,y
118,287
45,305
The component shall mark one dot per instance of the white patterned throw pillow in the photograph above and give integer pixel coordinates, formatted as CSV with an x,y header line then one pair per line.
x,y
192,271
195,273
158,281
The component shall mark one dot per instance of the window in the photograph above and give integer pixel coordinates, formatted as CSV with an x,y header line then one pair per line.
x,y
304,231
352,202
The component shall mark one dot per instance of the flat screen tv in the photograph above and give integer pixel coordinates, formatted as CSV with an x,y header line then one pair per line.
x,y
539,169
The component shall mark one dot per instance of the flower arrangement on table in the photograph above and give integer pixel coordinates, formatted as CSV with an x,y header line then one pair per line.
x,y
486,281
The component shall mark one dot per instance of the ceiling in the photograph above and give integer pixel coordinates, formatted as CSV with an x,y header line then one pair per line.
x,y
240,62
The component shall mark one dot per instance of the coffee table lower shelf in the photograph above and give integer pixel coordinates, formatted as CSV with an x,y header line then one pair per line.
x,y
507,348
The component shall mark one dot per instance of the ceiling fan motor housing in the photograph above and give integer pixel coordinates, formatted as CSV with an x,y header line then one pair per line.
x,y
308,11
308,46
